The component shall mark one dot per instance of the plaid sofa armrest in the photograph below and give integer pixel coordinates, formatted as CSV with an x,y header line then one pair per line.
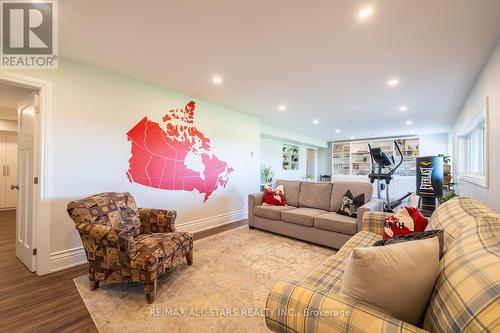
x,y
374,222
157,220
105,236
374,205
294,307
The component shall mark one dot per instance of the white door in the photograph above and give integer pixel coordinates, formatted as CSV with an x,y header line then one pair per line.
x,y
25,230
11,171
3,191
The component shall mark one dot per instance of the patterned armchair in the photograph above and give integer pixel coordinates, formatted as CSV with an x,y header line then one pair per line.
x,y
124,243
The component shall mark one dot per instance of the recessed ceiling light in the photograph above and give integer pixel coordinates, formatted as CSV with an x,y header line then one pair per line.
x,y
282,107
393,82
364,13
403,108
409,122
217,80
337,130
315,122
351,137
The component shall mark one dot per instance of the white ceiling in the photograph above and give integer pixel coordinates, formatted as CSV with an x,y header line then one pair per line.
x,y
316,57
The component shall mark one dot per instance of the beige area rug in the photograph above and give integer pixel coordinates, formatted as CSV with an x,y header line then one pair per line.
x,y
224,290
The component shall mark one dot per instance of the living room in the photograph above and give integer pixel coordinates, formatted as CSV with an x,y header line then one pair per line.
x,y
227,166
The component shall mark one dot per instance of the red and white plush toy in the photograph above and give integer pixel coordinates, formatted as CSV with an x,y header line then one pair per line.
x,y
406,221
274,197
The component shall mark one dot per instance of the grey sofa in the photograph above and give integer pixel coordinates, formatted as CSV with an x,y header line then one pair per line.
x,y
310,211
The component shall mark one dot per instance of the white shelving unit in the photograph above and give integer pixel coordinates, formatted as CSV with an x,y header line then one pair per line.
x,y
352,158
341,159
290,159
410,147
360,158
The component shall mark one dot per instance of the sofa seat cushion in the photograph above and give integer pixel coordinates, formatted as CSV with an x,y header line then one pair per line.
x,y
270,212
329,275
337,223
304,216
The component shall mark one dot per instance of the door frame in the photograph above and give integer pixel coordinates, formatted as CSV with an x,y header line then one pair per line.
x,y
42,191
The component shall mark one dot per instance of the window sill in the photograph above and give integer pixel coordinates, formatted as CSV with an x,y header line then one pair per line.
x,y
476,180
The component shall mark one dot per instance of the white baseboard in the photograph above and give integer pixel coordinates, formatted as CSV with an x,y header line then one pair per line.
x,y
213,221
73,257
66,259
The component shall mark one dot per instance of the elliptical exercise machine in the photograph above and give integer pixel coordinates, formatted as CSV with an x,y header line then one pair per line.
x,y
378,173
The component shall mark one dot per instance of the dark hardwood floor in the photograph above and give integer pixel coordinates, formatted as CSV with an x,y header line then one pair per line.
x,y
49,303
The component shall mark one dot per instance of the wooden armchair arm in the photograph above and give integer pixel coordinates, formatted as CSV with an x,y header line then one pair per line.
x,y
157,220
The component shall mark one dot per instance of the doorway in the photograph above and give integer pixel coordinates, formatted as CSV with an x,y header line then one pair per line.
x,y
310,167
17,139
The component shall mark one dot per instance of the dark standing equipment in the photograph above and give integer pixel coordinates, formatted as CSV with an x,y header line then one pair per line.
x,y
325,178
382,161
429,182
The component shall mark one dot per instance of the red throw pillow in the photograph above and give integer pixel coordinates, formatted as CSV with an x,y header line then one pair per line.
x,y
419,220
274,197
406,221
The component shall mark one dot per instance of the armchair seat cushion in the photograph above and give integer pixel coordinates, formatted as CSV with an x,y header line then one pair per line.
x,y
337,223
156,248
303,216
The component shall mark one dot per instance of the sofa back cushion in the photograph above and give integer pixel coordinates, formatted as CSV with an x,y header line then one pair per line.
x,y
315,195
340,188
292,190
465,297
114,209
456,214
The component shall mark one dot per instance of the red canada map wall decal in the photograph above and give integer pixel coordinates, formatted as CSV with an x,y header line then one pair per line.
x,y
176,156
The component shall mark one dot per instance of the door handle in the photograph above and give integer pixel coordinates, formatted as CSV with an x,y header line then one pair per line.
x,y
8,171
12,187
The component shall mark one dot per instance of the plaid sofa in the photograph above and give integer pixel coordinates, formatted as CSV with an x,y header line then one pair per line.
x,y
465,297
124,243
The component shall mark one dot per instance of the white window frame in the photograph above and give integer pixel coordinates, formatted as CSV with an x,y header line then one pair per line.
x,y
473,142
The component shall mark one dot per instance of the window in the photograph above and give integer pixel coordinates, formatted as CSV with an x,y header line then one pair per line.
x,y
472,150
